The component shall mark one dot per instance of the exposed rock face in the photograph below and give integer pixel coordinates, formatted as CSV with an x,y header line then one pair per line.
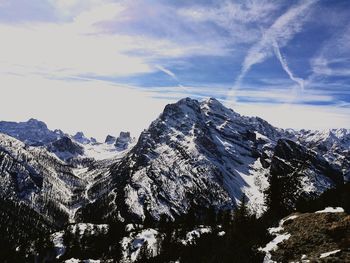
x,y
318,175
65,148
81,138
32,132
123,141
333,144
33,175
110,139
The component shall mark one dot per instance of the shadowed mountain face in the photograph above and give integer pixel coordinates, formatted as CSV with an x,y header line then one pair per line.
x,y
196,155
31,132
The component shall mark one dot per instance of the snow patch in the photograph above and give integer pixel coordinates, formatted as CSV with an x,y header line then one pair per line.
x,y
221,233
279,238
193,235
273,245
331,210
131,245
57,239
324,255
90,228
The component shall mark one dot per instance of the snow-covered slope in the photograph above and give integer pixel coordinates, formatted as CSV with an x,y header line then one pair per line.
x,y
333,144
201,155
66,147
37,177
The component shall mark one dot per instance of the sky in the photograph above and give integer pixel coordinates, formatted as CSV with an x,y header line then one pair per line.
x,y
105,66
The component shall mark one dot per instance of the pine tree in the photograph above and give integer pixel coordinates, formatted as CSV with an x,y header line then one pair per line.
x,y
282,194
144,253
241,213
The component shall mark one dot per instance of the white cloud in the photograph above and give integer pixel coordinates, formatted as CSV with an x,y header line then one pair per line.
x,y
83,46
333,58
95,107
63,50
299,116
71,8
235,17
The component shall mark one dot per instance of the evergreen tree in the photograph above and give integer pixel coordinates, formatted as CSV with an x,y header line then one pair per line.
x,y
283,193
144,253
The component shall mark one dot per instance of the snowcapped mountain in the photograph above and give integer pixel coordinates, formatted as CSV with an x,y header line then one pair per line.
x,y
66,147
51,171
333,144
81,138
196,155
37,177
201,155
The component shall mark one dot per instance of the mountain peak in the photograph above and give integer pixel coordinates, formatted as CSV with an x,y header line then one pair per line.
x,y
212,101
123,140
37,123
188,102
81,138
110,139
33,131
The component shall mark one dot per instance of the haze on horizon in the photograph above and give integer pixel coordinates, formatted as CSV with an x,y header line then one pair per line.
x,y
104,66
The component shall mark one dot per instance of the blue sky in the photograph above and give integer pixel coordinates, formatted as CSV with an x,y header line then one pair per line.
x,y
69,62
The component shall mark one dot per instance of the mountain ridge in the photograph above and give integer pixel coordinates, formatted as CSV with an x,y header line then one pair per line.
x,y
195,154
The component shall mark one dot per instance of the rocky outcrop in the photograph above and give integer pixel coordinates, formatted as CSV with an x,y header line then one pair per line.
x,y
110,139
123,141
289,157
31,132
65,148
312,237
81,138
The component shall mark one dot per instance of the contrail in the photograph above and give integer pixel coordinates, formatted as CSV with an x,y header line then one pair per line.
x,y
169,73
283,29
285,66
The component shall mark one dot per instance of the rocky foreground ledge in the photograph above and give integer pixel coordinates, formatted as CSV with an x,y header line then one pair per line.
x,y
323,236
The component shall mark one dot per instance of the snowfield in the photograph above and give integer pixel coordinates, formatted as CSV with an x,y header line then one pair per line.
x,y
331,210
279,238
132,244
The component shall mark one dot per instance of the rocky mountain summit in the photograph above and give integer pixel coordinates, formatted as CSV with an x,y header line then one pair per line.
x,y
123,141
110,139
202,154
31,132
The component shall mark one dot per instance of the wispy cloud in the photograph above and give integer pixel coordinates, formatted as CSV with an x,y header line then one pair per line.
x,y
237,19
82,44
172,49
170,73
334,56
282,31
